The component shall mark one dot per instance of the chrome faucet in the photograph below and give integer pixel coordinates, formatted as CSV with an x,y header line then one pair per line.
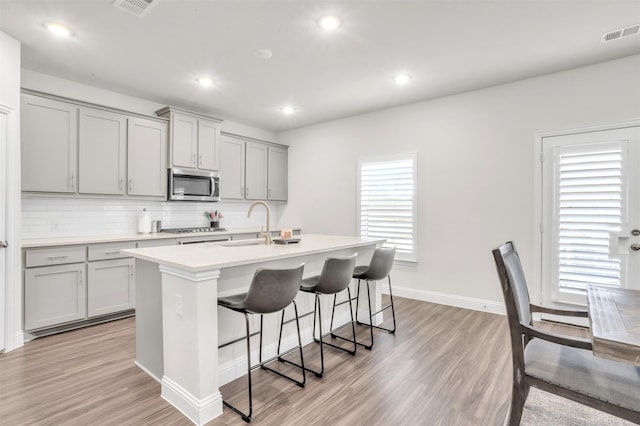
x,y
266,235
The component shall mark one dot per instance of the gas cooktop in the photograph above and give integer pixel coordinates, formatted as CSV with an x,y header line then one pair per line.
x,y
190,230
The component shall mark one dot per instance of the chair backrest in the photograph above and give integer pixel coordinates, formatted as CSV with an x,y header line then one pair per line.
x,y
336,275
381,263
516,296
272,290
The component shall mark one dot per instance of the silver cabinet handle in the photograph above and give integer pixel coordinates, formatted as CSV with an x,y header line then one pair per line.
x,y
57,257
4,244
73,183
109,253
130,184
131,269
121,184
242,191
193,159
200,161
269,192
246,194
635,246
80,278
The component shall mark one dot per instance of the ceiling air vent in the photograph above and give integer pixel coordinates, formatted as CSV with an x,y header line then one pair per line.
x,y
136,7
621,33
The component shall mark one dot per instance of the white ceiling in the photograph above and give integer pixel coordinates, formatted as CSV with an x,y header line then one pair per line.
x,y
448,47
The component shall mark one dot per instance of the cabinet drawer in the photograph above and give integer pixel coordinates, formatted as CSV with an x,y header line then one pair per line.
x,y
55,256
109,251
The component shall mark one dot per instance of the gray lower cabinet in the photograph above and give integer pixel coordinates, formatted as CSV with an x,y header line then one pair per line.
x,y
54,295
111,286
71,284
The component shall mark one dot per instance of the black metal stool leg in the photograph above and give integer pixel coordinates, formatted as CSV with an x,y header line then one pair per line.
x,y
316,310
245,417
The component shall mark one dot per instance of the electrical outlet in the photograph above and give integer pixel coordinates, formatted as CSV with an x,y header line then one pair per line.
x,y
179,304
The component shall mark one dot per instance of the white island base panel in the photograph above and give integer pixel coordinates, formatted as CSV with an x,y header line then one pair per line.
x,y
179,326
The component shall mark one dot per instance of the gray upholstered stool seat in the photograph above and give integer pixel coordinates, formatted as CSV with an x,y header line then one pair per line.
x,y
271,291
335,278
379,268
578,369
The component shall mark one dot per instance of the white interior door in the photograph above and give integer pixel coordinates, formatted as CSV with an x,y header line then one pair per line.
x,y
590,213
3,235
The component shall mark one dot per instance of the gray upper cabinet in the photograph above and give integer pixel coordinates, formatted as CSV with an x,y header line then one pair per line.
x,y
232,168
208,145
147,147
72,147
184,140
102,152
277,174
255,171
49,145
252,170
194,139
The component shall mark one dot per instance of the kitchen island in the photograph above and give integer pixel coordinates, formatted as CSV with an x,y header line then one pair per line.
x,y
179,327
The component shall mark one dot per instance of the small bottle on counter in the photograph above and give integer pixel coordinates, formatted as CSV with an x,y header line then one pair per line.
x,y
144,222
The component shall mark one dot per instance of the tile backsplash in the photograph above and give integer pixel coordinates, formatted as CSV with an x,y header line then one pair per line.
x,y
64,217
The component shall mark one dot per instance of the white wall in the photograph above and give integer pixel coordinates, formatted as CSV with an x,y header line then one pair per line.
x,y
10,98
476,157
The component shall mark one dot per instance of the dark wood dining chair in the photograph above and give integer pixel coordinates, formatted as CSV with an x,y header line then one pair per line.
x,y
559,364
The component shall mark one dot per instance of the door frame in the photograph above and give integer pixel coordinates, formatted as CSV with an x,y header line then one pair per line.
x,y
12,306
536,287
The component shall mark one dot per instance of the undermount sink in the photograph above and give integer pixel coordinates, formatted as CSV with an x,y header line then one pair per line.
x,y
242,243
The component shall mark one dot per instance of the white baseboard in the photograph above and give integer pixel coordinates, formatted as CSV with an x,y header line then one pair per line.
x,y
447,299
153,376
199,411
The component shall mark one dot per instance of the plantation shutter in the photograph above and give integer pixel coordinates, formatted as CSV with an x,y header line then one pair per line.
x,y
387,203
590,188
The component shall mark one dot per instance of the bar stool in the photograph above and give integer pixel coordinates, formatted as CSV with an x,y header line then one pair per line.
x,y
335,277
271,290
379,268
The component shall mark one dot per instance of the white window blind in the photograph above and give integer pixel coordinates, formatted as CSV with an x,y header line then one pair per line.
x,y
589,204
387,202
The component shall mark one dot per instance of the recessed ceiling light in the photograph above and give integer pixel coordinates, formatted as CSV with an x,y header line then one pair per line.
x,y
204,81
329,22
401,79
58,29
287,110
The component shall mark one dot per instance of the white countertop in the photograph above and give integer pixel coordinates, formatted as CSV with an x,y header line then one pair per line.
x,y
93,239
217,255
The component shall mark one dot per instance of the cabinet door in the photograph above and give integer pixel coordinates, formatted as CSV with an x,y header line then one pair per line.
x,y
208,145
184,140
49,142
111,286
102,152
54,295
256,171
232,168
147,149
277,176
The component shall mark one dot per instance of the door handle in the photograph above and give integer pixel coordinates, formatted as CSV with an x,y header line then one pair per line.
x,y
635,246
4,244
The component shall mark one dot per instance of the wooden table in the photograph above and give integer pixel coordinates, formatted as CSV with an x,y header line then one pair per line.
x,y
614,314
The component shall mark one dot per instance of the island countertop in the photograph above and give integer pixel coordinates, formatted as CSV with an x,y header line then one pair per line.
x,y
217,255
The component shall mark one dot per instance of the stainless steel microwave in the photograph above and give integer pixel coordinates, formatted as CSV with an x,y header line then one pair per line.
x,y
193,185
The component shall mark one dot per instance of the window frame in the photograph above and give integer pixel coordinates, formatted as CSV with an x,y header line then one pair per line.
x,y
401,258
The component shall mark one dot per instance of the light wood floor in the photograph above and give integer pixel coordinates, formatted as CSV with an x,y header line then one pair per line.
x,y
444,366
